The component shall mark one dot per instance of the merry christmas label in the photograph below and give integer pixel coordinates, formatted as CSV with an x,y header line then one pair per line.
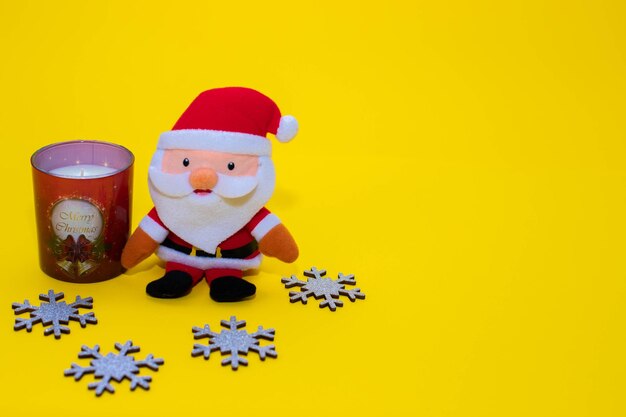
x,y
77,225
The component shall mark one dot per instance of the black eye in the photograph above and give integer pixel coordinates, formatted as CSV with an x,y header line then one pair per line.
x,y
231,166
186,162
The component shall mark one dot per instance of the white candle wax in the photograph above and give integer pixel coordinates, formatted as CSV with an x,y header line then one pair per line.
x,y
82,171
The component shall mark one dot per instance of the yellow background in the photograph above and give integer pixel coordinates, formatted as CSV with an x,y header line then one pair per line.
x,y
464,159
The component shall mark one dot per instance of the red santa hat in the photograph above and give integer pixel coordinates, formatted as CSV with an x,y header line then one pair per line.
x,y
231,119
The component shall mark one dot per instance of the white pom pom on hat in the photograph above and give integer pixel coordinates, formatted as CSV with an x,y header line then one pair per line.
x,y
287,129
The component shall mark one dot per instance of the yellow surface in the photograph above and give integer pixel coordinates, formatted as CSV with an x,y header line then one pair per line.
x,y
464,159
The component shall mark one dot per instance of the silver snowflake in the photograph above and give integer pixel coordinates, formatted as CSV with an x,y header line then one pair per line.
x,y
233,342
114,367
54,314
320,287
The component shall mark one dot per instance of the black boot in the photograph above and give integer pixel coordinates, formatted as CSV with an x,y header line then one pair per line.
x,y
225,289
174,284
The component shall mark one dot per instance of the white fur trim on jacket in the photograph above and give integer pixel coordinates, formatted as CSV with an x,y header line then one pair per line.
x,y
153,229
200,262
215,140
268,223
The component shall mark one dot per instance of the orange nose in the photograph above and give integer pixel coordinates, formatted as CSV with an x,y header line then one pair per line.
x,y
203,179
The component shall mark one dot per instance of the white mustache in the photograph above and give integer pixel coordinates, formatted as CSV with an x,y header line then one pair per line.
x,y
177,185
171,185
234,187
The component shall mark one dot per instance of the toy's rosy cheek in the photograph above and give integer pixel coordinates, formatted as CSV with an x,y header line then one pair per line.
x,y
176,162
237,165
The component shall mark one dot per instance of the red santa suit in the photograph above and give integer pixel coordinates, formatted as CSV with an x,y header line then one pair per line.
x,y
237,253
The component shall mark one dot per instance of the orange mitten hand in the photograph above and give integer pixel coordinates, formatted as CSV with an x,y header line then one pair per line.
x,y
138,248
279,243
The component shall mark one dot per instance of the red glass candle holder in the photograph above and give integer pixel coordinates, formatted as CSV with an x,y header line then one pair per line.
x,y
83,195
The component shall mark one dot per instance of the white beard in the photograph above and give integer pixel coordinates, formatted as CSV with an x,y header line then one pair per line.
x,y
205,221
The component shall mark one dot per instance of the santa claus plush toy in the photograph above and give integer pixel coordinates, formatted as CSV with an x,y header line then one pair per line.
x,y
210,179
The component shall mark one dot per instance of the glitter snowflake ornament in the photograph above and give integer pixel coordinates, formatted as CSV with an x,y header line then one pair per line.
x,y
54,314
112,367
233,342
319,287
